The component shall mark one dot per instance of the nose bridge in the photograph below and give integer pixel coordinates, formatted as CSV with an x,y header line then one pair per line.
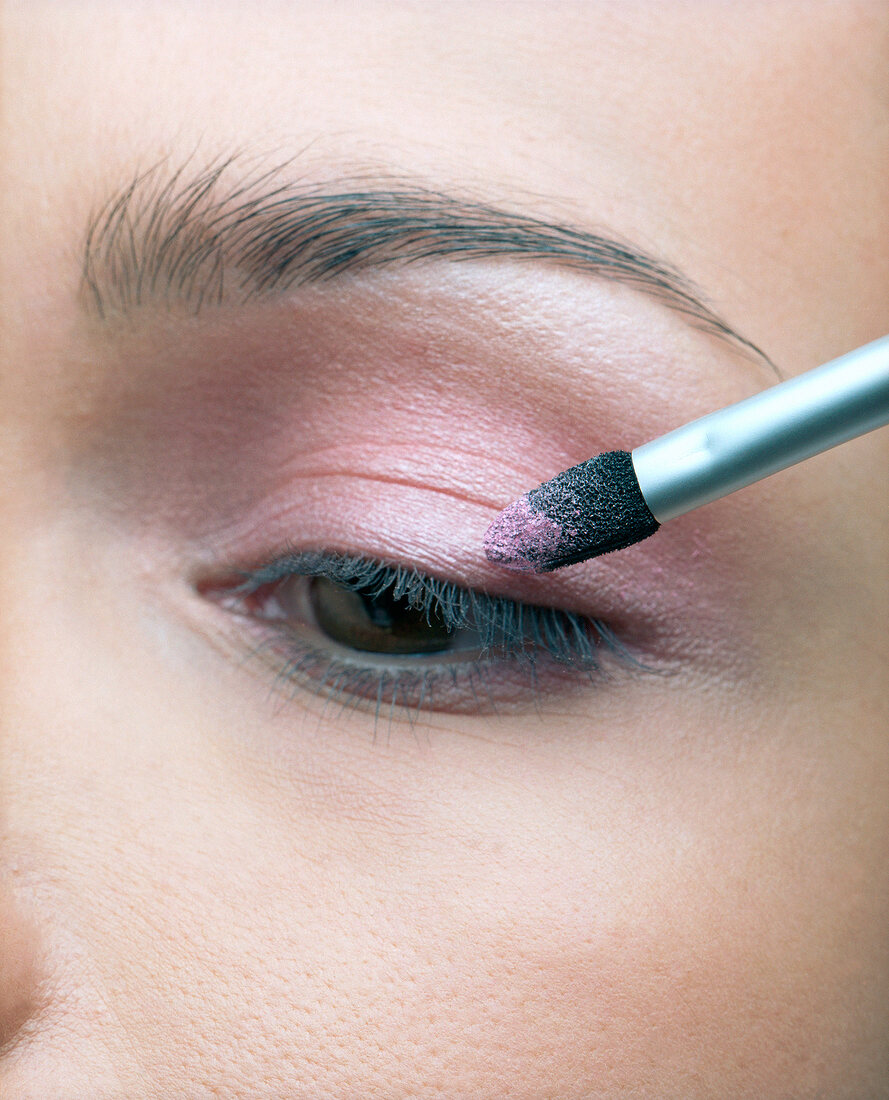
x,y
52,999
20,940
21,932
48,983
19,937
19,959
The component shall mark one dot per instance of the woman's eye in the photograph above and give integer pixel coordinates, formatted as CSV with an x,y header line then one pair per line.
x,y
376,623
355,628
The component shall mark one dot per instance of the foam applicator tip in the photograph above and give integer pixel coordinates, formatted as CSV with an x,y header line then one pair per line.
x,y
590,509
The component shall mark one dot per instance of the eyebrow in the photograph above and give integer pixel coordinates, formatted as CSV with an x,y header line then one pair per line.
x,y
195,239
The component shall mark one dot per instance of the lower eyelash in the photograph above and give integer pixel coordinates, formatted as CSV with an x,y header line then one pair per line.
x,y
527,648
395,691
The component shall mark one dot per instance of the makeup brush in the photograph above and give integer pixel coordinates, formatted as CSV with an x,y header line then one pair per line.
x,y
619,498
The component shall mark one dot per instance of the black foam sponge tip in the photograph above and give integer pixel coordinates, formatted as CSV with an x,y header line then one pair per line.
x,y
585,511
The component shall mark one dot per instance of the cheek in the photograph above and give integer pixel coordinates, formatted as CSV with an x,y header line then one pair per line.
x,y
635,918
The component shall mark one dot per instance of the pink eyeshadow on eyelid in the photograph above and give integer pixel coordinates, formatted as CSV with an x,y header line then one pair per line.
x,y
379,445
679,584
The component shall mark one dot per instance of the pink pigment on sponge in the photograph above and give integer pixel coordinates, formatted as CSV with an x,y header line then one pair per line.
x,y
590,509
519,534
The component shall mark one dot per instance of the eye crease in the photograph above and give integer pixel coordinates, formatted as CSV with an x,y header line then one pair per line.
x,y
364,632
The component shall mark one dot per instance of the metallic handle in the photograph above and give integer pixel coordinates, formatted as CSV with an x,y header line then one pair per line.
x,y
783,425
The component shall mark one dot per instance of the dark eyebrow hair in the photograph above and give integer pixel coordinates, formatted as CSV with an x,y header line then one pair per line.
x,y
213,236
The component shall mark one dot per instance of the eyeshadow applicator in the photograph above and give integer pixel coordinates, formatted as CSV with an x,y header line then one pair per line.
x,y
619,498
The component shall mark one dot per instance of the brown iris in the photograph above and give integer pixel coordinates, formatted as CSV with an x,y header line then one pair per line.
x,y
376,623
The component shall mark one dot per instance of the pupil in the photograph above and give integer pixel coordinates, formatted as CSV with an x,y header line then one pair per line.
x,y
376,624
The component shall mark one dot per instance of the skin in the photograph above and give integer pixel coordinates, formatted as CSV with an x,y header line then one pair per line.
x,y
646,886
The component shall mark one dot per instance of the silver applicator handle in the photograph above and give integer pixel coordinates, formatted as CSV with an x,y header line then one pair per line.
x,y
726,450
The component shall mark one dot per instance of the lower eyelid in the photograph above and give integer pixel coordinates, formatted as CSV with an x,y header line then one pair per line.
x,y
484,686
514,683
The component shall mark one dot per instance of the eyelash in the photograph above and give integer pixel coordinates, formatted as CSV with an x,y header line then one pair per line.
x,y
521,645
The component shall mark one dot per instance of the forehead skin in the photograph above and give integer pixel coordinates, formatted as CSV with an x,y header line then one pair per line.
x,y
703,916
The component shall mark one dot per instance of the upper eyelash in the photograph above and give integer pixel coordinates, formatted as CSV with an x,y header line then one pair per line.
x,y
504,626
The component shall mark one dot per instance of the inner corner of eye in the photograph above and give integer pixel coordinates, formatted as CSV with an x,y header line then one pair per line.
x,y
239,592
